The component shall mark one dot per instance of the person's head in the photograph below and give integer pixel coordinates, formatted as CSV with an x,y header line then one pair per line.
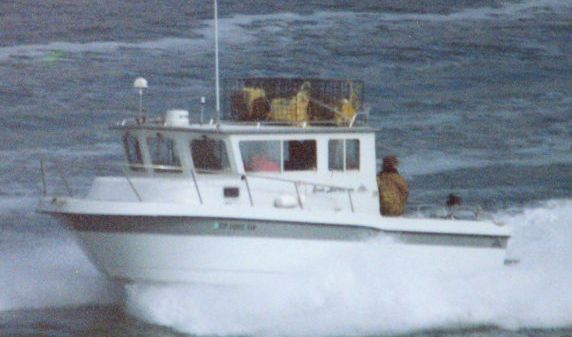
x,y
390,163
453,200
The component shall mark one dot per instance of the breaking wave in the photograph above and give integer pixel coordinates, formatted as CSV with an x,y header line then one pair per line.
x,y
353,295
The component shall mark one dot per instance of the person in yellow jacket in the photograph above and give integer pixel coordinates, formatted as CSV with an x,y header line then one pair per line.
x,y
393,190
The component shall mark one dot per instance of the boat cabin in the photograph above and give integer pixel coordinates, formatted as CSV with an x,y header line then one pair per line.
x,y
285,161
230,149
324,159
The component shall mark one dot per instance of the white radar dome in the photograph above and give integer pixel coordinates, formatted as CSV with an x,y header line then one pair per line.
x,y
140,83
177,118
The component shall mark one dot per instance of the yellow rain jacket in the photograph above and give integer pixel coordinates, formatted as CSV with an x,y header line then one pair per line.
x,y
393,192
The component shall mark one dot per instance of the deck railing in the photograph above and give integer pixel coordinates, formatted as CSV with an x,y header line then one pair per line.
x,y
129,171
455,212
297,183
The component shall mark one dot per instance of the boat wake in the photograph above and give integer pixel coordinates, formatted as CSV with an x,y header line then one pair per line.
x,y
362,293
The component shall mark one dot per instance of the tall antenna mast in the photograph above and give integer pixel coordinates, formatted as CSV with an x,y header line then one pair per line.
x,y
216,61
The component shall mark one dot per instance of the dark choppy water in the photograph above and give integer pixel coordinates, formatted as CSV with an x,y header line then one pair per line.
x,y
473,96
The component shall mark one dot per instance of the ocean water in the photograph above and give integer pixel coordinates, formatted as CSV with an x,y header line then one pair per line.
x,y
474,97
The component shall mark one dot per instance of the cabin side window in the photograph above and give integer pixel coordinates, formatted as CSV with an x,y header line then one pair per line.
x,y
209,155
343,154
163,154
336,155
300,155
260,156
352,154
133,152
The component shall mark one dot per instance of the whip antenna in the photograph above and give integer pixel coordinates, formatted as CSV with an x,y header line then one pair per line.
x,y
216,61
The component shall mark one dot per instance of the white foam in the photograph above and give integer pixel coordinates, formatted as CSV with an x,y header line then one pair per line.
x,y
229,29
509,10
354,295
44,50
38,272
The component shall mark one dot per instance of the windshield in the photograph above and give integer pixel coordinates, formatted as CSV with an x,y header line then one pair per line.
x,y
209,155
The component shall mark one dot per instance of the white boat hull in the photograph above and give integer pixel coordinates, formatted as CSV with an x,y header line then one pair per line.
x,y
172,243
202,259
247,260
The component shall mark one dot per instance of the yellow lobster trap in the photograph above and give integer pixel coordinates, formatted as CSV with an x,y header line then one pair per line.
x,y
294,100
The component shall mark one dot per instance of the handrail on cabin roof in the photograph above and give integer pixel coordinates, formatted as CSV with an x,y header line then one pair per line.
x,y
160,121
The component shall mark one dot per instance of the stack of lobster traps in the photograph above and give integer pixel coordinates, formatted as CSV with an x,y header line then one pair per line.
x,y
294,100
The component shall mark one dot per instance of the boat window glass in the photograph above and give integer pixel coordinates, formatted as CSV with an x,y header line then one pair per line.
x,y
300,155
133,152
260,156
352,154
163,154
209,155
336,155
343,154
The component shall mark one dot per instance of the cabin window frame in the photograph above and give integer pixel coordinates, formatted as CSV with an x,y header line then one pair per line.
x,y
314,152
174,164
137,165
281,158
345,155
265,160
226,164
356,152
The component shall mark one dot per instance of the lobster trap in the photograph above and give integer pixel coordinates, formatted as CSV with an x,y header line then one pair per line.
x,y
293,99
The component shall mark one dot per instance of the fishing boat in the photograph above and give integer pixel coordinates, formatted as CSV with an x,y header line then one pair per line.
x,y
278,185
285,179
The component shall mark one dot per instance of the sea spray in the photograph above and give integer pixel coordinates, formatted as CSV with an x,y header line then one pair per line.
x,y
50,274
41,265
356,294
